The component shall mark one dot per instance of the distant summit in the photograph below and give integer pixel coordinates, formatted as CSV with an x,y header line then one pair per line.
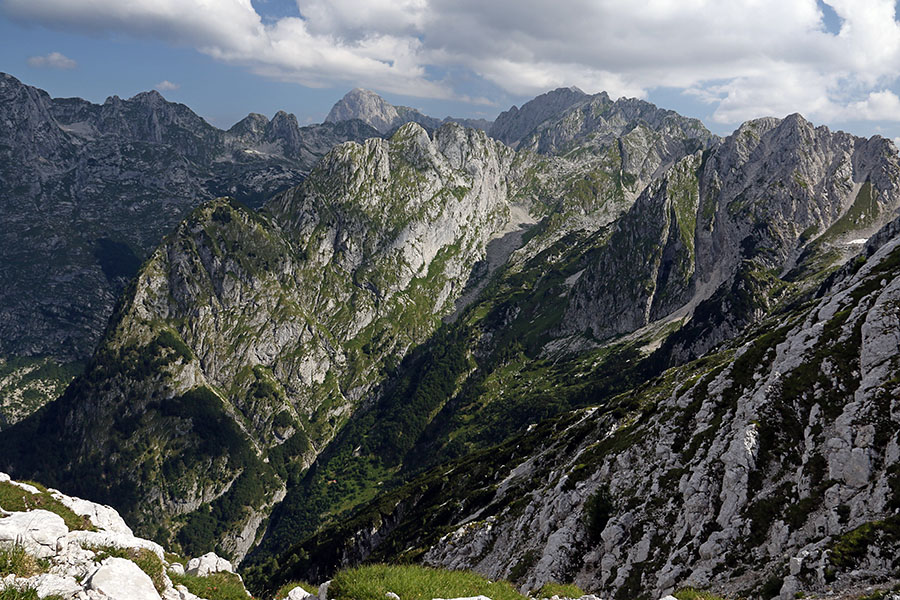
x,y
514,124
372,109
366,106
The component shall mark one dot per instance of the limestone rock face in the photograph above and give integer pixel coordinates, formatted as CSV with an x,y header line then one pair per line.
x,y
754,203
271,310
40,532
745,464
375,111
773,458
298,593
121,579
102,517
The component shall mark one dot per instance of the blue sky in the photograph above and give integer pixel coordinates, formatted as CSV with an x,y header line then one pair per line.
x,y
837,63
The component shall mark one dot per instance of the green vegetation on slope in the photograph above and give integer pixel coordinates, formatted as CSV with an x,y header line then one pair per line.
x,y
372,582
28,383
563,590
9,592
14,498
15,560
216,586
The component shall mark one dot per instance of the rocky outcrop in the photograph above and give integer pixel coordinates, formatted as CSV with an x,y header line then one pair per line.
x,y
727,505
768,468
208,563
121,579
76,564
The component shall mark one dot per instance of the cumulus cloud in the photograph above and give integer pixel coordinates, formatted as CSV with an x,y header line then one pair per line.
x,y
166,86
745,58
878,106
54,60
232,31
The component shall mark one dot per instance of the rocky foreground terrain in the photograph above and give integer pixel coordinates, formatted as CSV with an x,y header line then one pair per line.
x,y
611,349
65,547
60,547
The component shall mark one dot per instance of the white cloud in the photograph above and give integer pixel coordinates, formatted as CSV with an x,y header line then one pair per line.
x,y
54,60
232,31
878,106
745,58
166,86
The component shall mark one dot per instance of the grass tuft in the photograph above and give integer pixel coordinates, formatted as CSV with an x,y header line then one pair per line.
x,y
563,590
15,499
690,593
412,582
12,593
218,586
15,560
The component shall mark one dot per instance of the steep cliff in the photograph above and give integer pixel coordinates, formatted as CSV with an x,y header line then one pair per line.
x,y
247,340
554,454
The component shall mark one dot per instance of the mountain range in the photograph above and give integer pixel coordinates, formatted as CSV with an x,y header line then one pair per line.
x,y
588,342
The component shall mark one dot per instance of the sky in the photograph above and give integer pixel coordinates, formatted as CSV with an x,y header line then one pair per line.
x,y
835,62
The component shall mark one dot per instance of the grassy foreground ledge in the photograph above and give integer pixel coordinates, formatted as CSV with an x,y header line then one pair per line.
x,y
412,582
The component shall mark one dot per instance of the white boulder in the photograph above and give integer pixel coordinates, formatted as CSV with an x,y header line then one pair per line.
x,y
99,539
121,579
208,563
41,532
298,593
101,516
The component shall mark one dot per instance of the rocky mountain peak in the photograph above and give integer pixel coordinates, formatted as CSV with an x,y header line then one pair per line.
x,y
284,127
368,107
26,113
151,97
513,124
251,128
372,109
